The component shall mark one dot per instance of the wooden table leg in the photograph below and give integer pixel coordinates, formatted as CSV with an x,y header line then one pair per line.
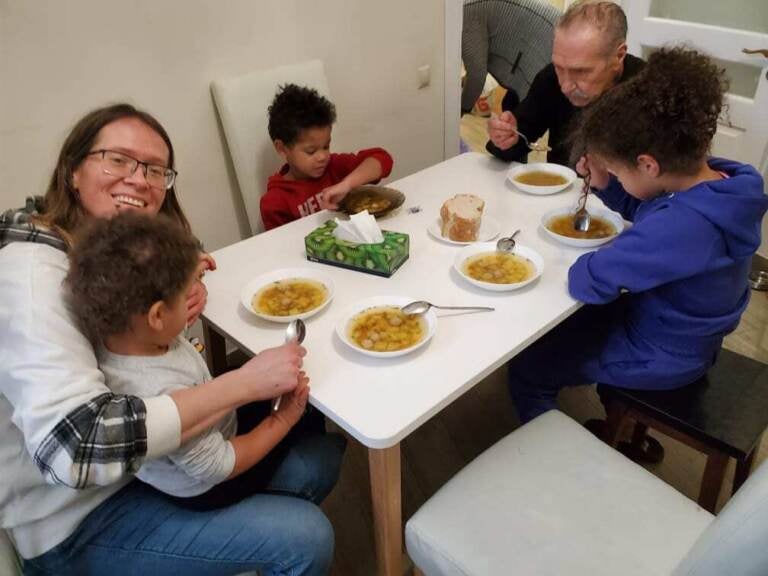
x,y
386,495
714,472
215,350
743,467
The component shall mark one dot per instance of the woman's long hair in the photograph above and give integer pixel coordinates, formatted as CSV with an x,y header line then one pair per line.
x,y
62,209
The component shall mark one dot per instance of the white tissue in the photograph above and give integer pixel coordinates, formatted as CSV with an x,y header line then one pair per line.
x,y
361,228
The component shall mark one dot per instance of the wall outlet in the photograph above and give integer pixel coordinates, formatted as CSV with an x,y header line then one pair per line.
x,y
423,73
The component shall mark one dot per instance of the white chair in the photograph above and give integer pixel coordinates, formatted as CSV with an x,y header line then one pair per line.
x,y
9,561
551,499
242,105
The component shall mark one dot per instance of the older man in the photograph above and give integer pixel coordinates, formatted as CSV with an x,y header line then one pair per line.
x,y
589,56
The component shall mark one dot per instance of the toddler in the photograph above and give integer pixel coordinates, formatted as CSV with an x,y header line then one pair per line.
x,y
660,298
312,178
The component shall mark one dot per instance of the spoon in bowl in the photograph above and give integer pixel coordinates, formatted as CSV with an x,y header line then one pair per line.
x,y
581,218
294,333
421,306
507,244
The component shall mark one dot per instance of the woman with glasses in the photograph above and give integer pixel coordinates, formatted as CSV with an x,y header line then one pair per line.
x,y
68,445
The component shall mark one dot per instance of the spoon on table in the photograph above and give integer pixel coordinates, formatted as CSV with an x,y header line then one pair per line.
x,y
421,306
581,218
294,333
507,244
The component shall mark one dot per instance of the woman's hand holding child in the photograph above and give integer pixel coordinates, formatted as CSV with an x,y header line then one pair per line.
x,y
198,293
274,371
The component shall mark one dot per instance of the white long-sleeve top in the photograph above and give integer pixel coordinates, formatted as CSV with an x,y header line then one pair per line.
x,y
198,464
67,443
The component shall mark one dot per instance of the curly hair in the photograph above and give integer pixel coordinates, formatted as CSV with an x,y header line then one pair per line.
x,y
120,267
669,111
295,109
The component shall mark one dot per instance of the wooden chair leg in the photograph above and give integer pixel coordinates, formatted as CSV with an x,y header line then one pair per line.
x,y
615,412
743,468
638,435
417,572
714,472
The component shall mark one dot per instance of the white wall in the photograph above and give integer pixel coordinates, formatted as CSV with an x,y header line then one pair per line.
x,y
60,59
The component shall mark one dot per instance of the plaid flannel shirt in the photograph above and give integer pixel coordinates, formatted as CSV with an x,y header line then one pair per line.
x,y
98,440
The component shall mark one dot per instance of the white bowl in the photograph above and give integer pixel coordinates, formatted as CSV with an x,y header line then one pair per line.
x,y
255,285
342,327
603,213
479,248
563,171
489,229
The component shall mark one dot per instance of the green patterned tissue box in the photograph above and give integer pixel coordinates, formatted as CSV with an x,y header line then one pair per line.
x,y
382,259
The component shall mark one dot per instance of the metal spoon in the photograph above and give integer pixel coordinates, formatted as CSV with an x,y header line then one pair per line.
x,y
507,244
536,146
421,306
294,333
581,218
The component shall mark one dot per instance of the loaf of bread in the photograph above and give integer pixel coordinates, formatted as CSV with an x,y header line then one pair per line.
x,y
460,217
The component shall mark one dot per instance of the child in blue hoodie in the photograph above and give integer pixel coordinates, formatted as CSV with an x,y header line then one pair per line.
x,y
660,298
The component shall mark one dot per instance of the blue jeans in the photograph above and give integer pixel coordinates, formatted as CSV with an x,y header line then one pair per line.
x,y
592,346
142,531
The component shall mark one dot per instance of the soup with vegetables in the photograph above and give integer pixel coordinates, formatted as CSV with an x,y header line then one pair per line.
x,y
499,268
541,178
370,203
386,329
289,297
598,227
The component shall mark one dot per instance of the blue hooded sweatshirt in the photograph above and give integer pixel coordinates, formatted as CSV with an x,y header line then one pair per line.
x,y
684,264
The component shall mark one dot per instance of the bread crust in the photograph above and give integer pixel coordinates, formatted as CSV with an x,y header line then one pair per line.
x,y
461,217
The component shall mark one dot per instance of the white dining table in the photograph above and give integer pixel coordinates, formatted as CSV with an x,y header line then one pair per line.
x,y
380,401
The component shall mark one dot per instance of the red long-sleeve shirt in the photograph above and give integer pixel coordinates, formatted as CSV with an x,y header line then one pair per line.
x,y
288,200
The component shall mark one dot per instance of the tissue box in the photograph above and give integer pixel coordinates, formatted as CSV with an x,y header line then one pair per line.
x,y
382,259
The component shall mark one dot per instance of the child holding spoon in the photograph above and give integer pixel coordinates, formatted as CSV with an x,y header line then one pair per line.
x,y
660,298
127,283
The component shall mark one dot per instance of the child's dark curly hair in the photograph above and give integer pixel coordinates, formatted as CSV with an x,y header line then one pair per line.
x,y
120,267
669,111
295,109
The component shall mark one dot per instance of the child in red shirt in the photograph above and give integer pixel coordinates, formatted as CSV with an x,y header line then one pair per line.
x,y
312,179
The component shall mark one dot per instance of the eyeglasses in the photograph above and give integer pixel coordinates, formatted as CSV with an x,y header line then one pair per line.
x,y
124,166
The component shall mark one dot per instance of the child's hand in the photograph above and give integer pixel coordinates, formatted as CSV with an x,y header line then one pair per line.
x,y
294,403
599,176
331,196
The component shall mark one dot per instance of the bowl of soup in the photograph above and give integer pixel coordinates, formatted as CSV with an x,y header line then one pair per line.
x,y
377,327
484,266
541,178
604,226
286,294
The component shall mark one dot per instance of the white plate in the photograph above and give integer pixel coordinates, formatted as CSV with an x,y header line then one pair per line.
x,y
250,290
489,229
479,248
563,171
342,326
612,217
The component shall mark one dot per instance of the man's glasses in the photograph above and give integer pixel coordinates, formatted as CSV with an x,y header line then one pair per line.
x,y
123,166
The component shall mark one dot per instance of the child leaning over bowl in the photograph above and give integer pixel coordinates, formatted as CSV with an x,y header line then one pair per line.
x,y
661,297
312,178
127,282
